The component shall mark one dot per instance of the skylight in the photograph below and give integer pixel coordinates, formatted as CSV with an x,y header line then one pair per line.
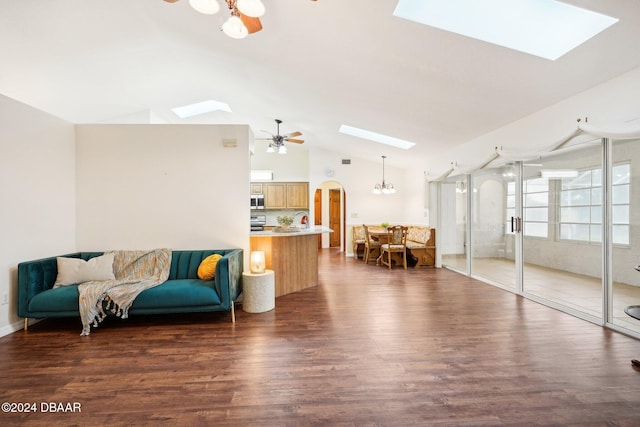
x,y
377,137
200,108
544,28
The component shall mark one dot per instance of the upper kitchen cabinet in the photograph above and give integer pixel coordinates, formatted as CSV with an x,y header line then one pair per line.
x,y
275,195
286,195
298,195
257,188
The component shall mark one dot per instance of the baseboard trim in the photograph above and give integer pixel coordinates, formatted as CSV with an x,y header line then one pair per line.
x,y
11,328
14,327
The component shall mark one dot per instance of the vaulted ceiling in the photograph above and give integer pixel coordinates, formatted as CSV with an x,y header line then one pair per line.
x,y
315,65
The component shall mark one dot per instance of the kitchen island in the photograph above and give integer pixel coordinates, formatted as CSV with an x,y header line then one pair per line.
x,y
292,255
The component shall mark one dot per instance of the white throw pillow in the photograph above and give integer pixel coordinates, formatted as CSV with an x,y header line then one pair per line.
x,y
76,270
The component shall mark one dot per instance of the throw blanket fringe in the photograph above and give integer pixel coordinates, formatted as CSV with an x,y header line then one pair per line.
x,y
134,271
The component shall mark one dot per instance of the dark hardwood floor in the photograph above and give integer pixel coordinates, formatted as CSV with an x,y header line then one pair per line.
x,y
366,347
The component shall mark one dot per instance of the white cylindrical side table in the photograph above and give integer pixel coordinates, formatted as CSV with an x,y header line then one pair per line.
x,y
258,291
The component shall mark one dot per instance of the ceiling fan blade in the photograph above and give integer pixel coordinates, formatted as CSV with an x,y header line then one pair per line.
x,y
296,133
253,24
295,141
171,1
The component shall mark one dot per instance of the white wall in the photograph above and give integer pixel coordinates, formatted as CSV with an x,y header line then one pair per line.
x,y
357,179
37,189
613,101
176,186
293,166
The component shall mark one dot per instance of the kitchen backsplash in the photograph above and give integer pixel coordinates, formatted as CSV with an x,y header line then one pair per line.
x,y
273,214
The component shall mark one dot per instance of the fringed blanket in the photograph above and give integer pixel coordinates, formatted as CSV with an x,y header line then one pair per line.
x,y
134,272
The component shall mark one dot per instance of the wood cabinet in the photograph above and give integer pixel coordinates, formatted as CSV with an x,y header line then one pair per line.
x,y
286,195
275,195
298,195
257,188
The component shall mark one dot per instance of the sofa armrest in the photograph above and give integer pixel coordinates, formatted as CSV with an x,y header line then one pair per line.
x,y
228,280
40,275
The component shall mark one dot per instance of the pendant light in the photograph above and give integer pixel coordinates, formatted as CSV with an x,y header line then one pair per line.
x,y
384,188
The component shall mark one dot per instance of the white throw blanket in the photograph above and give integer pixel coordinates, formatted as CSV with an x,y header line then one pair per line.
x,y
134,271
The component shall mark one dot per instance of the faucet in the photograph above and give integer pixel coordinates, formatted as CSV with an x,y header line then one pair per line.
x,y
304,220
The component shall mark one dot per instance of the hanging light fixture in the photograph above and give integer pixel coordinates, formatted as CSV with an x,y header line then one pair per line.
x,y
208,7
278,147
234,27
384,188
244,18
252,8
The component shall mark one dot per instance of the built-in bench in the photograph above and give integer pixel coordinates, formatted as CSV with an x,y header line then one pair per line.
x,y
421,241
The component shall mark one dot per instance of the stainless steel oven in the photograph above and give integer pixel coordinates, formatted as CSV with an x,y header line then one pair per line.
x,y
257,201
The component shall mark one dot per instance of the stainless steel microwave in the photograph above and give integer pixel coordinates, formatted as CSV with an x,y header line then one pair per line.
x,y
257,201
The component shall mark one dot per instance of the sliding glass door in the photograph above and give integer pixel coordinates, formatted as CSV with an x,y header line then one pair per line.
x,y
562,230
625,232
453,223
493,240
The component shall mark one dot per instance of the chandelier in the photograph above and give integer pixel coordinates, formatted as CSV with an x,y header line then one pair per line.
x,y
384,188
244,19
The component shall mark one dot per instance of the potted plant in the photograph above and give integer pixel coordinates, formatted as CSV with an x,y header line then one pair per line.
x,y
284,221
384,225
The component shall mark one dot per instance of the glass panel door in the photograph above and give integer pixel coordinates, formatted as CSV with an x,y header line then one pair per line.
x,y
493,240
625,232
453,223
562,230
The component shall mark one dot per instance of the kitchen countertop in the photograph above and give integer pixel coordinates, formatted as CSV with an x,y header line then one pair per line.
x,y
316,229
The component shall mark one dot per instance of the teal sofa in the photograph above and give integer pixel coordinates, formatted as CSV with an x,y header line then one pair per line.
x,y
183,292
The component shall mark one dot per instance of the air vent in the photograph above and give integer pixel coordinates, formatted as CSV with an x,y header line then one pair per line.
x,y
346,161
229,143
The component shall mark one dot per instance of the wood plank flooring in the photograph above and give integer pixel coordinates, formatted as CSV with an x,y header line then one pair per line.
x,y
366,347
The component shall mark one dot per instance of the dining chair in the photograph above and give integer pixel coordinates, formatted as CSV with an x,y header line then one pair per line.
x,y
358,241
370,246
396,243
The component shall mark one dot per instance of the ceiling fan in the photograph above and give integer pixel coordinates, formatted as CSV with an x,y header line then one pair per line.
x,y
210,7
277,140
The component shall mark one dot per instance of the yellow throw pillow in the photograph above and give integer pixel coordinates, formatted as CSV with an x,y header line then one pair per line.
x,y
207,268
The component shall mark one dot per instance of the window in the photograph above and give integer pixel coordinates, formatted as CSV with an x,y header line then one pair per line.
x,y
535,207
581,206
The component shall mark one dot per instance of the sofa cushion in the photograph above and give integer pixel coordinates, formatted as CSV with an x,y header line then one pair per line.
x,y
173,293
419,234
207,268
178,293
64,298
75,270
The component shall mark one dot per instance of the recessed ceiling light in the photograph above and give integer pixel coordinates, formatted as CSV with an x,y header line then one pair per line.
x,y
200,108
544,28
377,137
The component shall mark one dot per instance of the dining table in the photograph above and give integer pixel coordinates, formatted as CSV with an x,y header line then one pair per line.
x,y
379,235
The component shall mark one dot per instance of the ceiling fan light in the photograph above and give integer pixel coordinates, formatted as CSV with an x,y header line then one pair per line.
x,y
208,7
252,8
282,150
234,28
270,149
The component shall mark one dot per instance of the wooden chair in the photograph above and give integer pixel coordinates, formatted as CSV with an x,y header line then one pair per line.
x,y
397,243
358,241
370,246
